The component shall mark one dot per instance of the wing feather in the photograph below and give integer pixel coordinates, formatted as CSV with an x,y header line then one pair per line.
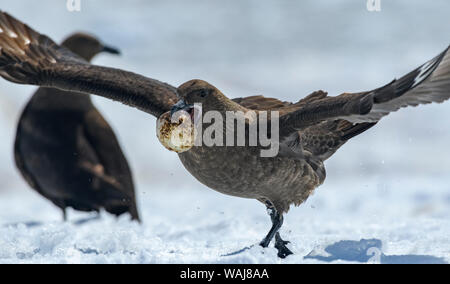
x,y
27,57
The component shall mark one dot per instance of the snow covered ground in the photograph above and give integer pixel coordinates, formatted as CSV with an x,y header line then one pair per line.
x,y
389,187
200,226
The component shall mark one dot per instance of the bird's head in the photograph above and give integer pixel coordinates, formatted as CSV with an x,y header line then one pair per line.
x,y
87,46
200,92
175,128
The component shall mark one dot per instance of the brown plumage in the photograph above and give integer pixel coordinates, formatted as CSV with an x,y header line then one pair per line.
x,y
311,130
66,150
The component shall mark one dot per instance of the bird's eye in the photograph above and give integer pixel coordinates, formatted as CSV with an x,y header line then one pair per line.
x,y
200,93
203,93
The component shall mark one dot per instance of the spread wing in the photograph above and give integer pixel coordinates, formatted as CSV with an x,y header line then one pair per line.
x,y
27,57
428,83
321,124
322,139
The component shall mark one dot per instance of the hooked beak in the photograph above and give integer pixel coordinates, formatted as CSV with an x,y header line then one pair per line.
x,y
110,49
181,105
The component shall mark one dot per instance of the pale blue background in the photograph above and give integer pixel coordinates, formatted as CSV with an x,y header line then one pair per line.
x,y
284,49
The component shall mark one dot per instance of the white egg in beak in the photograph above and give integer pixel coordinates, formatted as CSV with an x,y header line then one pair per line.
x,y
176,132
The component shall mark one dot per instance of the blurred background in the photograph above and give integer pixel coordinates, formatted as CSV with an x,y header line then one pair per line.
x,y
283,49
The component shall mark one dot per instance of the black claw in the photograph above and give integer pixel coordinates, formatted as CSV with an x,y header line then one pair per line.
x,y
283,251
278,239
280,245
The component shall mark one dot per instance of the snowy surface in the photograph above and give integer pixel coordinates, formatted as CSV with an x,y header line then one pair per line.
x,y
199,226
389,187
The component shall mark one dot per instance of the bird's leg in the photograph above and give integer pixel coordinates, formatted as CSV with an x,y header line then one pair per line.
x,y
277,222
64,214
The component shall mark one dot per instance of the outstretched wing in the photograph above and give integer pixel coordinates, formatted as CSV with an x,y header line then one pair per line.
x,y
428,83
322,139
27,57
321,124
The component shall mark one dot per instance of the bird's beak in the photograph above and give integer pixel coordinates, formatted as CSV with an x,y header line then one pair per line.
x,y
110,49
181,105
